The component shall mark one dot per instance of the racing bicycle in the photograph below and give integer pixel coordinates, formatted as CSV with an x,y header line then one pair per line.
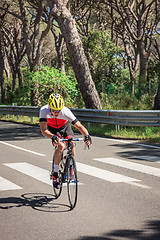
x,y
67,172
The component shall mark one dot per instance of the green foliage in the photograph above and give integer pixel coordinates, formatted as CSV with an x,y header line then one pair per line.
x,y
104,58
50,80
21,96
126,102
121,102
150,134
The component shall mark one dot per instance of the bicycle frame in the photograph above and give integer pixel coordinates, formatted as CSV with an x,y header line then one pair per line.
x,y
68,172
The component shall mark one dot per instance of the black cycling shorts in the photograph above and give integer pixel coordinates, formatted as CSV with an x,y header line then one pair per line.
x,y
63,132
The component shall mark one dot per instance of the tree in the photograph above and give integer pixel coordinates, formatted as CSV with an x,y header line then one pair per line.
x,y
12,43
79,61
104,58
139,20
3,90
34,43
33,40
157,97
15,49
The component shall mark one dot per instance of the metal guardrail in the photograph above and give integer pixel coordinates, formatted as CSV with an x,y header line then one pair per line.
x,y
115,117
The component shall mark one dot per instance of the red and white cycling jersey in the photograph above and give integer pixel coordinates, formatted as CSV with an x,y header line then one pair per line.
x,y
64,116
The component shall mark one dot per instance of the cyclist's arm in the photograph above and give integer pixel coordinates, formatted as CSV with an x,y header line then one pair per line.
x,y
84,132
45,132
81,128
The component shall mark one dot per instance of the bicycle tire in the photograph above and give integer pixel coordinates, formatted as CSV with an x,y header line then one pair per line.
x,y
72,183
57,191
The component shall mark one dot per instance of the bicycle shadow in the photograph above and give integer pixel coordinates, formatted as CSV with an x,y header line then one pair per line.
x,y
43,202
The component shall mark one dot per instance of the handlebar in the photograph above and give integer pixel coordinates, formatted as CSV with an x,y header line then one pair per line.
x,y
71,139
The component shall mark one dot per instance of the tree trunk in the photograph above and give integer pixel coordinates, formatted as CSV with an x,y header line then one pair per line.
x,y
19,76
157,98
60,48
143,67
79,61
3,90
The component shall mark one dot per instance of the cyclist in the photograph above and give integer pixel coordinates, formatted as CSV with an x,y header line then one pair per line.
x,y
55,121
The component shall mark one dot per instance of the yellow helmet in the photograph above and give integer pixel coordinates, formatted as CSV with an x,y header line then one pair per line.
x,y
56,101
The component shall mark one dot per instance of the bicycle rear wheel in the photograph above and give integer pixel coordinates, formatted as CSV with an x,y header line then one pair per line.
x,y
72,185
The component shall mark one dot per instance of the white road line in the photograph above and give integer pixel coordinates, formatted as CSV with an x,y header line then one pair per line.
x,y
23,149
149,158
32,171
106,175
7,185
150,146
133,142
131,165
119,140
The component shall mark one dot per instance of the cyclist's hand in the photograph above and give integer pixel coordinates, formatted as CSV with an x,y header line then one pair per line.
x,y
88,140
54,139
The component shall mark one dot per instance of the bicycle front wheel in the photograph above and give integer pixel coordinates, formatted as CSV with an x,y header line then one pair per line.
x,y
57,192
72,185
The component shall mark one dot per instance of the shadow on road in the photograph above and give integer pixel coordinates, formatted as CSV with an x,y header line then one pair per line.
x,y
38,201
13,132
135,150
150,231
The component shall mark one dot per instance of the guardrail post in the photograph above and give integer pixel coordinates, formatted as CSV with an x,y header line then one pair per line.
x,y
117,128
15,104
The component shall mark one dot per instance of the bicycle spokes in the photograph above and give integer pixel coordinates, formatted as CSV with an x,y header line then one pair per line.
x,y
57,191
72,182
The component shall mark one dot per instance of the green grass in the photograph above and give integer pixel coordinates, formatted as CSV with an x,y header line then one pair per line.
x,y
22,119
150,134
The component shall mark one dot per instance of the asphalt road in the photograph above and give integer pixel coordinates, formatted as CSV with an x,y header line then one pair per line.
x,y
119,190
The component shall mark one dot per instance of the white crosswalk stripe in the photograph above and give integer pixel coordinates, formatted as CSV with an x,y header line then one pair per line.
x,y
131,165
42,175
31,170
7,185
107,175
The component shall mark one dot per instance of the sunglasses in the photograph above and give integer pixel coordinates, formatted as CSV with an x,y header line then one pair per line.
x,y
55,111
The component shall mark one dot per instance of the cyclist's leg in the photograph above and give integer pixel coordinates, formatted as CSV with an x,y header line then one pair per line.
x,y
69,133
64,132
57,158
60,147
58,153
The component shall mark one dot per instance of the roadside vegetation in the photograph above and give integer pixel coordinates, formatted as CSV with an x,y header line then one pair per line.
x,y
96,54
149,134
